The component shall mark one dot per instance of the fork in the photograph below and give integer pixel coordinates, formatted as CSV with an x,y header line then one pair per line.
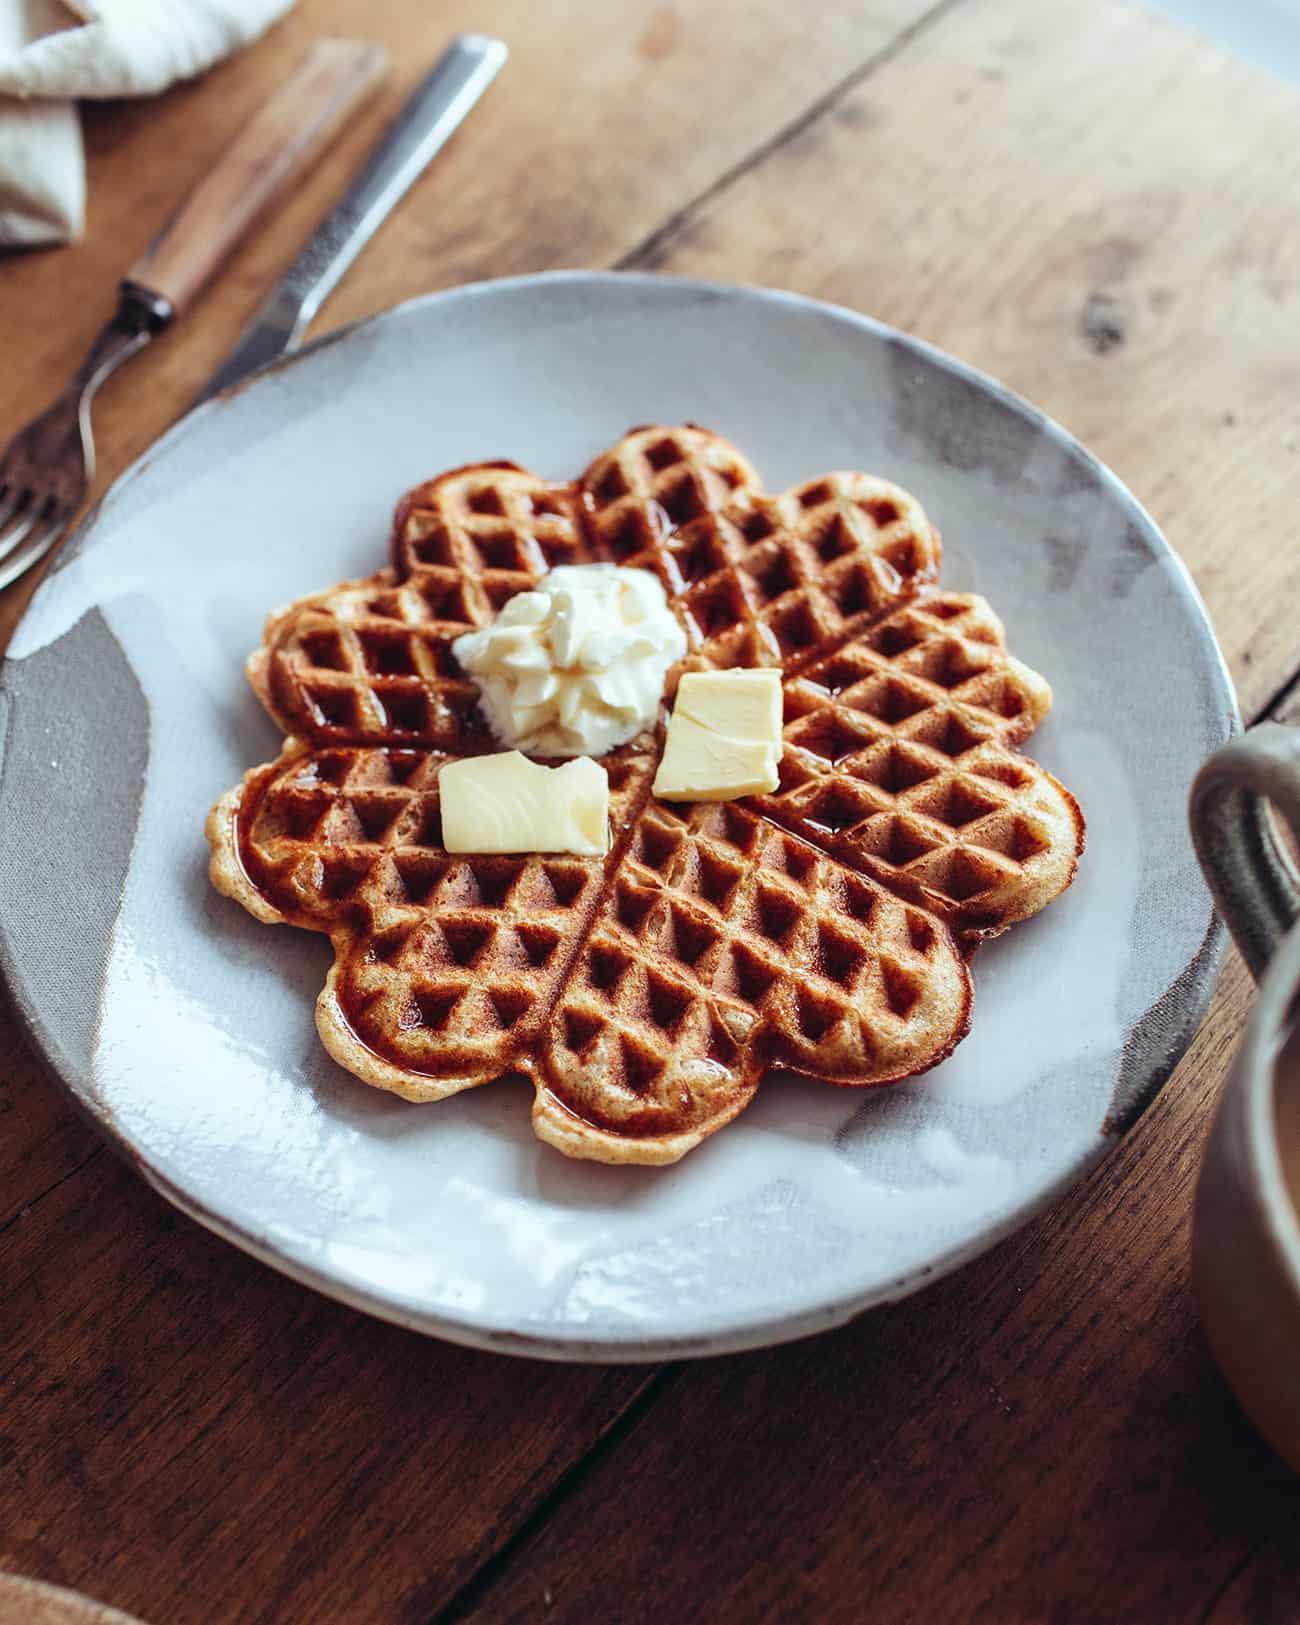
x,y
46,469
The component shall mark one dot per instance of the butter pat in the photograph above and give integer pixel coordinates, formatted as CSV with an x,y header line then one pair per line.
x,y
724,737
508,804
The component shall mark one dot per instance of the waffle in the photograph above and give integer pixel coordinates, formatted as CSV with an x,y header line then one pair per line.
x,y
445,966
900,760
726,946
371,659
755,580
825,927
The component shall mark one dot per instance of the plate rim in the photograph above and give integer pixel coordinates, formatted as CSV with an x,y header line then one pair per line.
x,y
1194,985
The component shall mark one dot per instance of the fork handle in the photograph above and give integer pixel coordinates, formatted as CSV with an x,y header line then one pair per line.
x,y
284,137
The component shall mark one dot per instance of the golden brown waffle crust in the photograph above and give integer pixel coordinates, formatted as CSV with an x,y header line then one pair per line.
x,y
556,1126
228,875
824,929
225,867
343,1045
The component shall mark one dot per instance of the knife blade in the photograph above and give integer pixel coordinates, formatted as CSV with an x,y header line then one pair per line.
x,y
434,110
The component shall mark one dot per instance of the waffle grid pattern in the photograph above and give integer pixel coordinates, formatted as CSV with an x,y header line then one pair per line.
x,y
372,661
900,760
450,960
824,927
726,946
755,580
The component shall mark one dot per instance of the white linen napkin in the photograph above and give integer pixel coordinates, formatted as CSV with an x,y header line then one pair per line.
x,y
53,52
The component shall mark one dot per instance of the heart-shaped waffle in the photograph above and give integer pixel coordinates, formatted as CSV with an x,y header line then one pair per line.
x,y
825,927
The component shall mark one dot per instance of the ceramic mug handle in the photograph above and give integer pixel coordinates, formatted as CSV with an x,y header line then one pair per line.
x,y
1254,880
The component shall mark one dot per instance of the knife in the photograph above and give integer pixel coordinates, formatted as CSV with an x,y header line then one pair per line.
x,y
433,112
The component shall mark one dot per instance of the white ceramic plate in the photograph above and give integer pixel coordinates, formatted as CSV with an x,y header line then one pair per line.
x,y
186,1030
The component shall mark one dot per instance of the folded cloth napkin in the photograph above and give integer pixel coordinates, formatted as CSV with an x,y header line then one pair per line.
x,y
53,52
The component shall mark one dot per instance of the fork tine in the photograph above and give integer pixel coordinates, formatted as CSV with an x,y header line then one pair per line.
x,y
28,518
12,498
46,536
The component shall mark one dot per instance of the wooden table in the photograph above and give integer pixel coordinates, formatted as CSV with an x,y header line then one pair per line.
x,y
1083,200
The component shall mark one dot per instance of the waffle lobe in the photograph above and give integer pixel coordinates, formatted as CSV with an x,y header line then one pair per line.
x,y
825,927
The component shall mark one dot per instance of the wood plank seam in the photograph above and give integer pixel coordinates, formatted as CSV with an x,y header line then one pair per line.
x,y
651,252
1110,1196
1283,700
480,1582
476,1587
652,248
26,1210
1229,1580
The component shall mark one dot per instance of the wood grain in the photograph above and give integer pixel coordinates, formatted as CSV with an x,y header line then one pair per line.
x,y
41,1139
282,140
1097,209
1042,1437
601,125
175,1410
661,117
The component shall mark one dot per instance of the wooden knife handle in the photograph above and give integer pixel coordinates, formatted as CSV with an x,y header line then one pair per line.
x,y
285,136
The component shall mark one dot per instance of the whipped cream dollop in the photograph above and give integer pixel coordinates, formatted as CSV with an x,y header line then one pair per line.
x,y
577,665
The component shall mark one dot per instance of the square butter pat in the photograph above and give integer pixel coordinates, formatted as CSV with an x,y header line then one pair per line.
x,y
508,804
724,737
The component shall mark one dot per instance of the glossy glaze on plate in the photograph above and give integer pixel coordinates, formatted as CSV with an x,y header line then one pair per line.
x,y
186,1030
